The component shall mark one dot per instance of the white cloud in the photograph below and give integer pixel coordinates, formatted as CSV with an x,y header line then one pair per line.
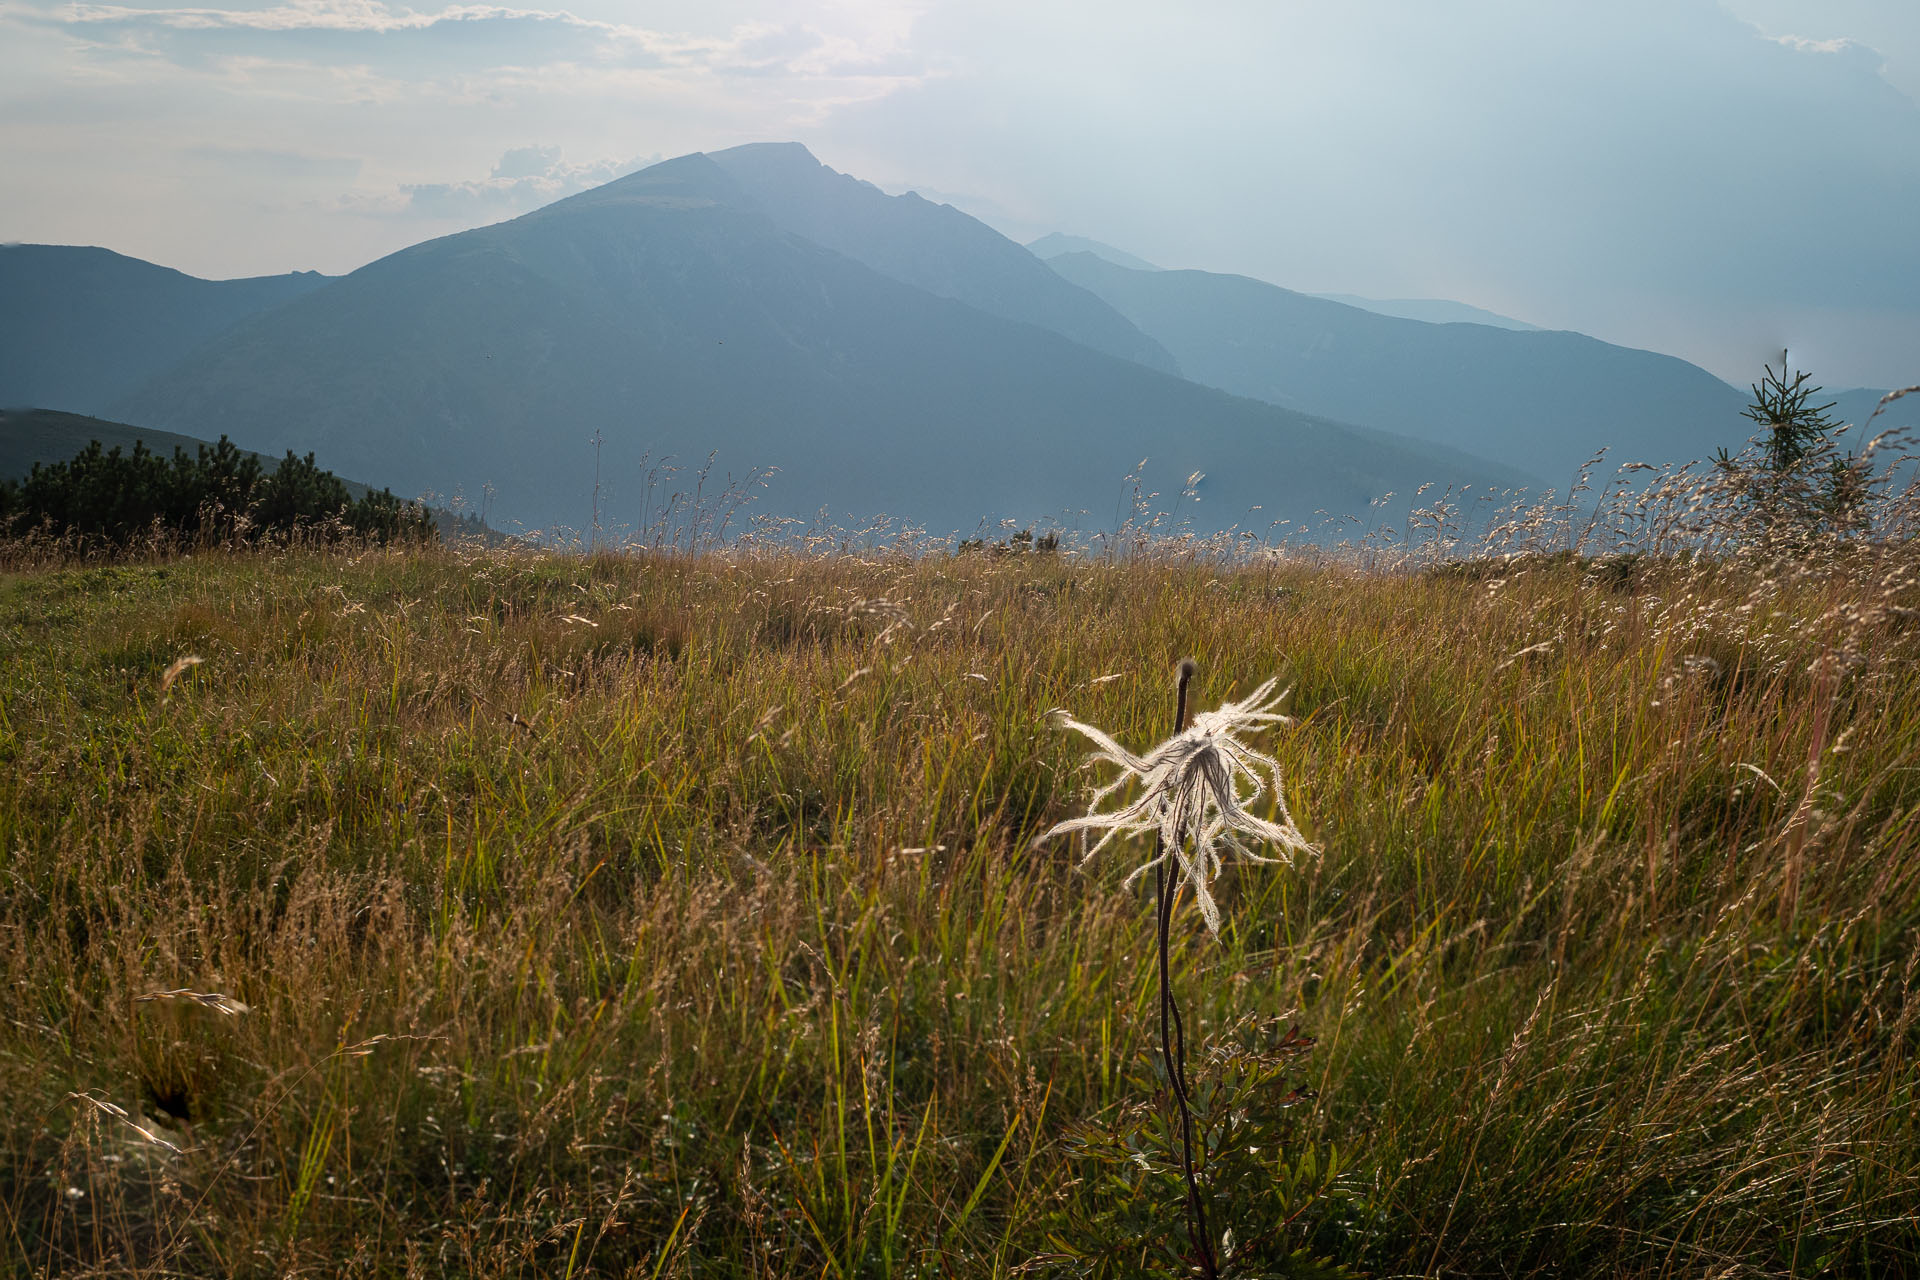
x,y
303,15
524,179
526,162
1890,28
481,35
1804,45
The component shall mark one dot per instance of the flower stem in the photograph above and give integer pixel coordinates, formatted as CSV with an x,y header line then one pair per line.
x,y
1173,1048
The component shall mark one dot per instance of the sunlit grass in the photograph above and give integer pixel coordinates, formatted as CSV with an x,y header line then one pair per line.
x,y
681,916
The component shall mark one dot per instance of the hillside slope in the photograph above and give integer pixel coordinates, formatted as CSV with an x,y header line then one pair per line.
x,y
47,436
81,327
668,313
1859,405
1055,243
42,437
1542,401
1431,310
933,246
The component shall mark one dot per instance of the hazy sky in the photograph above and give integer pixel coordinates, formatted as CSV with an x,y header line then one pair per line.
x,y
1714,178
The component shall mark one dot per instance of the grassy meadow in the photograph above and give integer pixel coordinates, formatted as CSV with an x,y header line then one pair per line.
x,y
504,913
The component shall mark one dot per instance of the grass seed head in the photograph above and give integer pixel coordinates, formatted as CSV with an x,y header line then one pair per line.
x,y
179,667
1190,795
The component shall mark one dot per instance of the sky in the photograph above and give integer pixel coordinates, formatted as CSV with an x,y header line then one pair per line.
x,y
1718,179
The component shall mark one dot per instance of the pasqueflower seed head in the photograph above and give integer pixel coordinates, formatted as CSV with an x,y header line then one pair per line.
x,y
1190,795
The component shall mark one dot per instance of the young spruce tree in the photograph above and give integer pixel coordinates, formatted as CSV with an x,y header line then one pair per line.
x,y
1800,484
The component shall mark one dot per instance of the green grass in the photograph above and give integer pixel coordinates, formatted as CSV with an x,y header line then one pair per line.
x,y
680,917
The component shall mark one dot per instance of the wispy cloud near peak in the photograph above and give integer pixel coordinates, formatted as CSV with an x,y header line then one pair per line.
x,y
524,179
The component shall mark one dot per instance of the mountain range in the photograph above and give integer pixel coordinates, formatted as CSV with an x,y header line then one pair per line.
x,y
1055,243
932,246
1544,402
672,315
1431,310
1541,400
882,353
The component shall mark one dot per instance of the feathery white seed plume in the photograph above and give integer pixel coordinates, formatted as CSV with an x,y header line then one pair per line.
x,y
1190,791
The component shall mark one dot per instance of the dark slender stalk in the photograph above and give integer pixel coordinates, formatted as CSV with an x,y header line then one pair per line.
x,y
1173,1047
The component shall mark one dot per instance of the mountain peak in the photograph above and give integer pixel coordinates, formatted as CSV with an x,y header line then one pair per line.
x,y
689,181
794,156
785,171
931,246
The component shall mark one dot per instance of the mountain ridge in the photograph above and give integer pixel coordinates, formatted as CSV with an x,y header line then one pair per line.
x,y
1538,400
933,246
1056,243
83,325
676,319
1431,310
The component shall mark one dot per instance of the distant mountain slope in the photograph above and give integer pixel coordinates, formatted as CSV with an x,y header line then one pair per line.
x,y
1431,310
1857,407
933,246
667,312
1541,401
80,327
1055,243
46,436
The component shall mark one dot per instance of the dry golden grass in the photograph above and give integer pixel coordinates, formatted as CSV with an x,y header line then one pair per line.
x,y
670,916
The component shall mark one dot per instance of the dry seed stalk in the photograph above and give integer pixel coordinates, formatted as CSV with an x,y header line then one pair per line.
x,y
1190,801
